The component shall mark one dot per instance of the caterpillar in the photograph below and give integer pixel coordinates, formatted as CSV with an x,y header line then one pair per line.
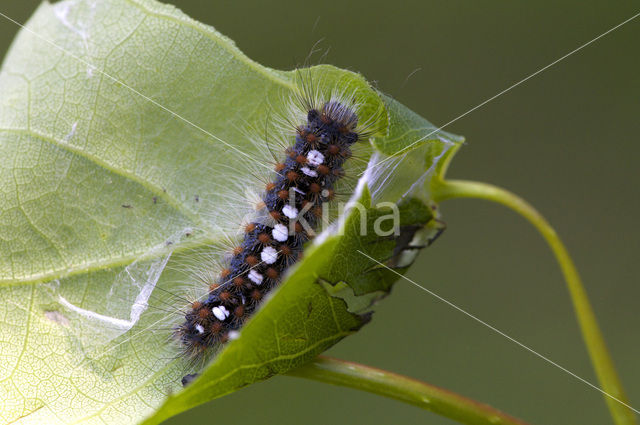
x,y
291,209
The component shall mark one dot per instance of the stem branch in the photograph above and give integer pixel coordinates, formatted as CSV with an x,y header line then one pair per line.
x,y
622,413
388,384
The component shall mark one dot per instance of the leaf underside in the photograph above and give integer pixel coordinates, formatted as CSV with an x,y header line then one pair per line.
x,y
104,193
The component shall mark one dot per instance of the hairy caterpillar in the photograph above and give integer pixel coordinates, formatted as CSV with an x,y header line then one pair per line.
x,y
290,212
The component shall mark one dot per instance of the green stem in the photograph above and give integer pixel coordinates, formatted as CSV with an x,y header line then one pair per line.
x,y
388,384
622,413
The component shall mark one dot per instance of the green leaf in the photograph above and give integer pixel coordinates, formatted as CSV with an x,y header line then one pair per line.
x,y
123,134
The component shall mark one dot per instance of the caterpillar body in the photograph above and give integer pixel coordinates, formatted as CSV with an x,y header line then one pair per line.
x,y
292,206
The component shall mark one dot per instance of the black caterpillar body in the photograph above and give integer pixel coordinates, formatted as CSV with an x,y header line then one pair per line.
x,y
304,181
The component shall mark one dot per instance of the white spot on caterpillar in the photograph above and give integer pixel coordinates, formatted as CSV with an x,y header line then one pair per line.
x,y
255,277
279,232
290,211
269,255
220,312
315,157
200,329
233,335
309,172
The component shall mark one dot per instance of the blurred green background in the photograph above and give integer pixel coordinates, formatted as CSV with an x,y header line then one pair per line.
x,y
567,140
